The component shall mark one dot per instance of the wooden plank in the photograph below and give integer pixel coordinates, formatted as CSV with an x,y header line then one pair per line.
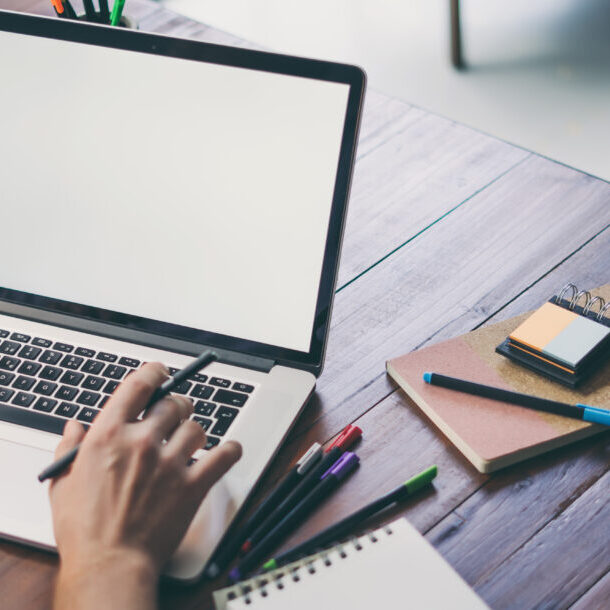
x,y
598,596
487,251
561,561
486,529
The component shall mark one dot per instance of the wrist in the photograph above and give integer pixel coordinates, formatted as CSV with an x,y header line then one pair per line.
x,y
119,578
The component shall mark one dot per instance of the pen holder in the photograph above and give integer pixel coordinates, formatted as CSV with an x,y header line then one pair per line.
x,y
125,22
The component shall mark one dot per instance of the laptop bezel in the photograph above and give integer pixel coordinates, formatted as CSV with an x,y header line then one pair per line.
x,y
130,40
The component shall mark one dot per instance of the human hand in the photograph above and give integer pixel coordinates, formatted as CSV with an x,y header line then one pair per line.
x,y
127,500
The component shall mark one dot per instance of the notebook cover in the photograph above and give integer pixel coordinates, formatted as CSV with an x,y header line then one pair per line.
x,y
493,434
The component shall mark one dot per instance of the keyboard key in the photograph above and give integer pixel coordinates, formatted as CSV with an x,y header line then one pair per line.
x,y
183,388
211,441
6,377
202,391
106,357
8,363
88,398
50,357
224,417
93,366
45,404
71,362
42,342
203,407
93,383
110,387
30,352
114,371
29,368
45,387
5,394
24,399
200,377
66,409
131,362
87,415
83,351
243,387
220,382
71,378
230,398
20,337
32,419
24,383
3,333
10,347
203,422
66,393
103,401
63,347
50,372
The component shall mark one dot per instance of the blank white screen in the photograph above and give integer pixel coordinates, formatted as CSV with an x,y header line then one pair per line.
x,y
170,189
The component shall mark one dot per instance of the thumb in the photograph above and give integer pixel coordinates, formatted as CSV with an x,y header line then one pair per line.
x,y
73,435
213,465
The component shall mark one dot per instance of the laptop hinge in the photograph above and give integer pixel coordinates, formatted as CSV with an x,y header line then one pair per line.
x,y
120,333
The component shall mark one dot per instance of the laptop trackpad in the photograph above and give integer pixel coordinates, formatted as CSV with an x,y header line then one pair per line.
x,y
25,513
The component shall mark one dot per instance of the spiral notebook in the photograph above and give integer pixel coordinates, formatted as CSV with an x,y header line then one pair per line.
x,y
494,434
566,340
392,567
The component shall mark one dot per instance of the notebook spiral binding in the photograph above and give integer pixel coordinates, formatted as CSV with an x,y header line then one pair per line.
x,y
277,581
586,309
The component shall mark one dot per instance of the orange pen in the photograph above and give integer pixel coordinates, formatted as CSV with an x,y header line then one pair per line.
x,y
59,8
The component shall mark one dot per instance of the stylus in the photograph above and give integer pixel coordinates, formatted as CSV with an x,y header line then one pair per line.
x,y
166,387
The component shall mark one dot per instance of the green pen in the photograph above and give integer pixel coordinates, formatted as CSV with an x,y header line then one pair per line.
x,y
117,11
344,527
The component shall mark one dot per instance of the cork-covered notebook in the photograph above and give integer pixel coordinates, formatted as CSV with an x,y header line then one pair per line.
x,y
493,434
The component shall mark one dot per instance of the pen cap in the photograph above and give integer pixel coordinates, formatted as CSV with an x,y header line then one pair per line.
x,y
343,466
348,436
309,458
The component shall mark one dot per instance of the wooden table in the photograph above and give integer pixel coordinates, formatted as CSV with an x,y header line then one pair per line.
x,y
448,229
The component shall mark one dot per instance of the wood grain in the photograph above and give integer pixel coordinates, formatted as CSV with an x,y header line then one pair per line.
x,y
597,597
551,569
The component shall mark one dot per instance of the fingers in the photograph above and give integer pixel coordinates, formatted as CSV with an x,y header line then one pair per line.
x,y
210,468
167,414
73,435
188,437
134,393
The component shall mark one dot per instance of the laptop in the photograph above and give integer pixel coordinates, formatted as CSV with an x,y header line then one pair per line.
x,y
159,197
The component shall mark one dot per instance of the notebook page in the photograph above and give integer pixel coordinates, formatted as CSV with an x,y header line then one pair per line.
x,y
399,570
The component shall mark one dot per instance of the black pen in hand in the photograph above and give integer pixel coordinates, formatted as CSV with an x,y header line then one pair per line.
x,y
207,357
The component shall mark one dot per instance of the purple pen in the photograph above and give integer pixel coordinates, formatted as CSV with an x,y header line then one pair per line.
x,y
329,481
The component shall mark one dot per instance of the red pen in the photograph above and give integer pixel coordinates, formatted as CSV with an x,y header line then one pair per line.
x,y
348,436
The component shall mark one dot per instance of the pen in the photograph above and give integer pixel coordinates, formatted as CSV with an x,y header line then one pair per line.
x,y
59,8
89,9
117,11
104,13
230,547
163,390
70,12
329,481
577,411
349,435
340,529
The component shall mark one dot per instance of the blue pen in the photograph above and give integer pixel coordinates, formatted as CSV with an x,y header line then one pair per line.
x,y
578,411
329,481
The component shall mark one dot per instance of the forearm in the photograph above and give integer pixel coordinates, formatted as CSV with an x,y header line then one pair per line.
x,y
113,582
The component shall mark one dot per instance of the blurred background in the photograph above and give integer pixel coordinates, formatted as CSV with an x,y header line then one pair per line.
x,y
537,73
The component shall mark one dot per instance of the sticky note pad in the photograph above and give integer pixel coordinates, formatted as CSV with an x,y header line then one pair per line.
x,y
560,334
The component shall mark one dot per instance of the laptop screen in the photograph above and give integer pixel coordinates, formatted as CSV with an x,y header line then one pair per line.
x,y
179,191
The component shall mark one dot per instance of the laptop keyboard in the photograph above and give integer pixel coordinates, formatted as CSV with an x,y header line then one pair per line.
x,y
43,383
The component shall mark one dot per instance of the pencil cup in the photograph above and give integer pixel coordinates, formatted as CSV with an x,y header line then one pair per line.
x,y
126,21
